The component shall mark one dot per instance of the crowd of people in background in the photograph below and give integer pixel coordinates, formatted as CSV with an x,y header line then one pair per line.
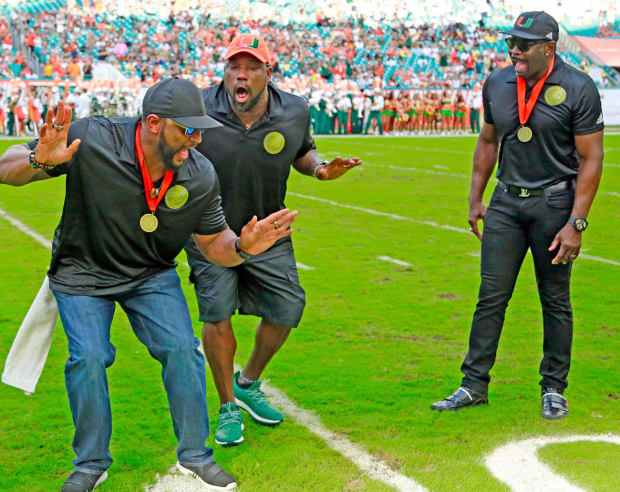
x,y
361,66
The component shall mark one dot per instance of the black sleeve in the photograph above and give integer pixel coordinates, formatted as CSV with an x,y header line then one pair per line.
x,y
308,141
588,113
488,117
77,130
213,220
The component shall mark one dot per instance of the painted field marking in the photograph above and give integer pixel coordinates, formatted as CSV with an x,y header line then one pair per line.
x,y
26,230
610,193
301,266
417,170
517,464
394,260
417,221
373,467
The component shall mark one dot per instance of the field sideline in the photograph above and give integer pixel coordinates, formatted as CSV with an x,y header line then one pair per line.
x,y
391,289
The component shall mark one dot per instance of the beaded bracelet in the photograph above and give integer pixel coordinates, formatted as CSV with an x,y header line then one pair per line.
x,y
36,164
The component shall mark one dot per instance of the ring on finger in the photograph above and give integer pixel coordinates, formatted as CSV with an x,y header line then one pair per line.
x,y
275,224
573,256
57,127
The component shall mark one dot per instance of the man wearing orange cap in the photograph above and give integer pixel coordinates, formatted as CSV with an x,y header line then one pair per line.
x,y
264,131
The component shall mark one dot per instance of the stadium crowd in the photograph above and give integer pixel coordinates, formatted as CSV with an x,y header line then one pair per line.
x,y
334,54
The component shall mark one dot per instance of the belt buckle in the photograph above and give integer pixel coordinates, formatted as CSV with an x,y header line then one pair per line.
x,y
524,193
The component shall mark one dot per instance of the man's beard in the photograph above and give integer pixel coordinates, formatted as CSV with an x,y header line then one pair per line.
x,y
250,104
166,152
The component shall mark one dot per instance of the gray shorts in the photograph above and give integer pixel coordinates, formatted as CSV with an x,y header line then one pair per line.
x,y
264,287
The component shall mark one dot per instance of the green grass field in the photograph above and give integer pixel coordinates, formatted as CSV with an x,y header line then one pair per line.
x,y
378,343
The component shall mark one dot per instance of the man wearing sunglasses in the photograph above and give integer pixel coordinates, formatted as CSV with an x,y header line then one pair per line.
x,y
543,119
136,191
264,132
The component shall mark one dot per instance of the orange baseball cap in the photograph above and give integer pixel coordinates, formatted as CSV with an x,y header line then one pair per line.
x,y
251,44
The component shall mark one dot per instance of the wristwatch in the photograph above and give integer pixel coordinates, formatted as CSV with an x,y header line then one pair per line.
x,y
579,223
242,254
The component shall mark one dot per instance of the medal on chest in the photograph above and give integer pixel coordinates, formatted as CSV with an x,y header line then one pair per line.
x,y
148,222
524,133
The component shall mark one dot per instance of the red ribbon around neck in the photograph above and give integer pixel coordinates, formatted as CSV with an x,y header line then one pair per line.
x,y
525,110
152,196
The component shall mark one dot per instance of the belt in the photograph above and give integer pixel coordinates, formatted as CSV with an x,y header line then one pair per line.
x,y
527,192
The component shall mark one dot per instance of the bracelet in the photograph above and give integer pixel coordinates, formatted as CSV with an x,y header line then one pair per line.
x,y
36,164
316,166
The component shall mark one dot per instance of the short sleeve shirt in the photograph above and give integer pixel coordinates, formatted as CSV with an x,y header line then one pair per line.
x,y
253,165
99,247
569,104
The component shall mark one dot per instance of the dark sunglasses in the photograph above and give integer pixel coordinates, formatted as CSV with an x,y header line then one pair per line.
x,y
524,45
189,132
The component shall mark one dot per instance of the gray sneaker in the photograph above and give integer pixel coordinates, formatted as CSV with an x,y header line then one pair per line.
x,y
210,474
79,481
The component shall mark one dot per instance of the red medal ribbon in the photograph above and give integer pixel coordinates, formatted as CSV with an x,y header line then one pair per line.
x,y
152,198
525,110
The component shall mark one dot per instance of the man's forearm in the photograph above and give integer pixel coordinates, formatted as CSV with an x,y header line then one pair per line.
x,y
307,163
485,157
15,166
588,180
221,250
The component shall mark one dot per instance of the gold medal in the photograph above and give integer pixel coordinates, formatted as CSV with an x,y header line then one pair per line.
x,y
176,197
148,222
555,95
524,134
274,142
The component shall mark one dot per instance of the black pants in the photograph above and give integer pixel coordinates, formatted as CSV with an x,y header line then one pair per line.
x,y
511,226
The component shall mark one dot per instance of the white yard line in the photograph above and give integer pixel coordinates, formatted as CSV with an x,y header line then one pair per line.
x,y
517,465
418,170
394,260
301,266
381,214
609,193
26,230
418,221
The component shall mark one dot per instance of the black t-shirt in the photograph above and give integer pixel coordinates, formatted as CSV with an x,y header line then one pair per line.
x,y
253,165
569,104
99,247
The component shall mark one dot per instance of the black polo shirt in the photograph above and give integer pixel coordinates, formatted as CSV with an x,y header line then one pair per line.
x,y
550,156
254,164
99,247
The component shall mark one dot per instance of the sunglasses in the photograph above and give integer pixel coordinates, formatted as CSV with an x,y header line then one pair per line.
x,y
524,45
189,132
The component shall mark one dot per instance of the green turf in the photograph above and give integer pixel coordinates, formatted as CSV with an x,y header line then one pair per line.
x,y
377,345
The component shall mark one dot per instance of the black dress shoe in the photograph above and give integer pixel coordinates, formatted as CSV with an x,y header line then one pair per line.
x,y
554,406
461,398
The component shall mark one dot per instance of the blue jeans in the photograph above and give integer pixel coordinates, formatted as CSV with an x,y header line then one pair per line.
x,y
158,313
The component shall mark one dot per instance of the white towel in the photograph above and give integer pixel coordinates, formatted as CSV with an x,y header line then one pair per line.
x,y
32,343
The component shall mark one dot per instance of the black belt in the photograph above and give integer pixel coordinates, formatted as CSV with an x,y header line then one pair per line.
x,y
549,190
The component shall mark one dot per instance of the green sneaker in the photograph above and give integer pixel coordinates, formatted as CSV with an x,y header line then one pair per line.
x,y
229,426
253,401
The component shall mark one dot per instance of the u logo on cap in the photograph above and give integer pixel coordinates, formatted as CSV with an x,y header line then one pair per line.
x,y
527,24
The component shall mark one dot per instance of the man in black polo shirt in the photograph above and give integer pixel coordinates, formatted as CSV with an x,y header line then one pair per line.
x,y
136,191
545,119
264,131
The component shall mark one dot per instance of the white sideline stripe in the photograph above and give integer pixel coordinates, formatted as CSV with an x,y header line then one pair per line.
x,y
26,230
417,170
394,260
610,193
301,266
517,465
382,214
602,260
372,466
417,221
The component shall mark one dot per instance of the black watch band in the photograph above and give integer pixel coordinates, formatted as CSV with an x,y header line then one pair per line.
x,y
242,254
579,223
